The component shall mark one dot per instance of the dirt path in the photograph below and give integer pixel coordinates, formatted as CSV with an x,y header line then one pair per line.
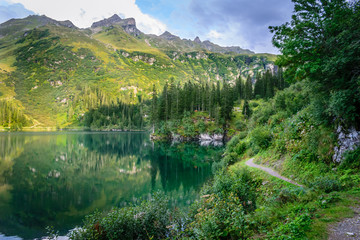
x,y
348,228
270,171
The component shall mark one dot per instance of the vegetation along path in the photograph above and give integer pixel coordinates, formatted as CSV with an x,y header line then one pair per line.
x,y
270,171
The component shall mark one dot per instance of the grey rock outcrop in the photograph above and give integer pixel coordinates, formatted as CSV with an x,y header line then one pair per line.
x,y
348,140
128,24
206,139
107,22
197,40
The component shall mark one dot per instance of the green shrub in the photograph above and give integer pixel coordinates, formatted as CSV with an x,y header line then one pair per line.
x,y
240,125
288,195
222,213
295,227
262,114
260,138
240,148
351,159
241,184
343,105
150,220
305,155
325,184
200,126
220,218
232,143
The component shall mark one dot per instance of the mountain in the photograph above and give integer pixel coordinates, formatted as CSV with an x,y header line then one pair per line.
x,y
128,24
52,72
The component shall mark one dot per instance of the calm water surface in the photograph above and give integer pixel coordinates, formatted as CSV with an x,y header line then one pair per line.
x,y
55,179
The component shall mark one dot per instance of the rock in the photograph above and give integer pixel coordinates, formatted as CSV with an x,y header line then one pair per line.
x,y
128,24
197,40
347,140
205,137
107,21
218,137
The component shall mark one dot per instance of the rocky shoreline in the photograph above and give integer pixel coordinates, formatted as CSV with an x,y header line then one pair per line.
x,y
204,139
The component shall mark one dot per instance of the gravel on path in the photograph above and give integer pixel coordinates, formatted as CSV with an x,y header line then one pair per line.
x,y
270,171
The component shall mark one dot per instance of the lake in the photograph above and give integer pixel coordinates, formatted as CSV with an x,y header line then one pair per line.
x,y
56,179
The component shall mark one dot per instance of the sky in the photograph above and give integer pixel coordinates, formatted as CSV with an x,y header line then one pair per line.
x,y
241,23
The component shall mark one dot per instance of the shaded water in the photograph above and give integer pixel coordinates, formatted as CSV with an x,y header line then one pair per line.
x,y
55,179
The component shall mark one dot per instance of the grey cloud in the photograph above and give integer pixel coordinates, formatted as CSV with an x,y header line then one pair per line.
x,y
251,17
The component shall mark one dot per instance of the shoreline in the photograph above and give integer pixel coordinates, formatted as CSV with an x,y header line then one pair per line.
x,y
52,129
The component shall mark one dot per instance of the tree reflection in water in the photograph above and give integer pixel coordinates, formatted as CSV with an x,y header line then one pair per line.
x,y
58,178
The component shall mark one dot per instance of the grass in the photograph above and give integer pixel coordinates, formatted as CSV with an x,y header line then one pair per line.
x,y
333,214
324,216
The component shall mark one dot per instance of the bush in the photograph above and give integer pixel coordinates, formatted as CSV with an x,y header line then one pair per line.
x,y
146,221
305,155
232,143
222,212
351,159
240,148
295,228
240,184
343,105
220,218
325,184
260,138
287,195
262,114
240,125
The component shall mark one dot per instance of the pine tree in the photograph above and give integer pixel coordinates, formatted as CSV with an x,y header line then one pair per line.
x,y
248,89
246,109
154,107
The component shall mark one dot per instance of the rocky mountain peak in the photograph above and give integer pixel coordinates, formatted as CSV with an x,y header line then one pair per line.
x,y
107,22
128,24
197,40
168,36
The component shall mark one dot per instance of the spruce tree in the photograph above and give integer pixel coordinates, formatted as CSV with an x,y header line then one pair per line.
x,y
248,88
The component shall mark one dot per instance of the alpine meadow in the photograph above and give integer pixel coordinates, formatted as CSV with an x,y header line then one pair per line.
x,y
108,132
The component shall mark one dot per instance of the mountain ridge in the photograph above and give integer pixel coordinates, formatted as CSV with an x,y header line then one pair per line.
x,y
54,72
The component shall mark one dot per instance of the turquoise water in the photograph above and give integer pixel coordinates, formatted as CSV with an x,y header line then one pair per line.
x,y
55,179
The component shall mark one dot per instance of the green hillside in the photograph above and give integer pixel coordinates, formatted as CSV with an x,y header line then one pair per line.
x,y
56,72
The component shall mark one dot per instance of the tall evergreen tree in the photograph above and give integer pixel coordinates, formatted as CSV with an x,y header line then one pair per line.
x,y
248,89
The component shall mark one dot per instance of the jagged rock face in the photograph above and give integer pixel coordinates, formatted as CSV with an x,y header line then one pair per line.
x,y
128,24
347,141
67,23
107,22
197,40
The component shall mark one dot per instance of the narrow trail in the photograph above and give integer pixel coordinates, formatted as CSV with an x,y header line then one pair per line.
x,y
270,171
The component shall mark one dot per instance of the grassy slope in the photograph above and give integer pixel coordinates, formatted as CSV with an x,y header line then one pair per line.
x,y
48,74
288,138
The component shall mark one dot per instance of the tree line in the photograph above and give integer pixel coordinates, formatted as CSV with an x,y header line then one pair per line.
x,y
12,116
215,98
118,115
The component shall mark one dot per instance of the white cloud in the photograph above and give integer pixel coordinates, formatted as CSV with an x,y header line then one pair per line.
x,y
84,12
213,34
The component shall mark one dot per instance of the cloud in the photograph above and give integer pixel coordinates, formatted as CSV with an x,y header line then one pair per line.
x,y
9,10
84,12
213,34
242,21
